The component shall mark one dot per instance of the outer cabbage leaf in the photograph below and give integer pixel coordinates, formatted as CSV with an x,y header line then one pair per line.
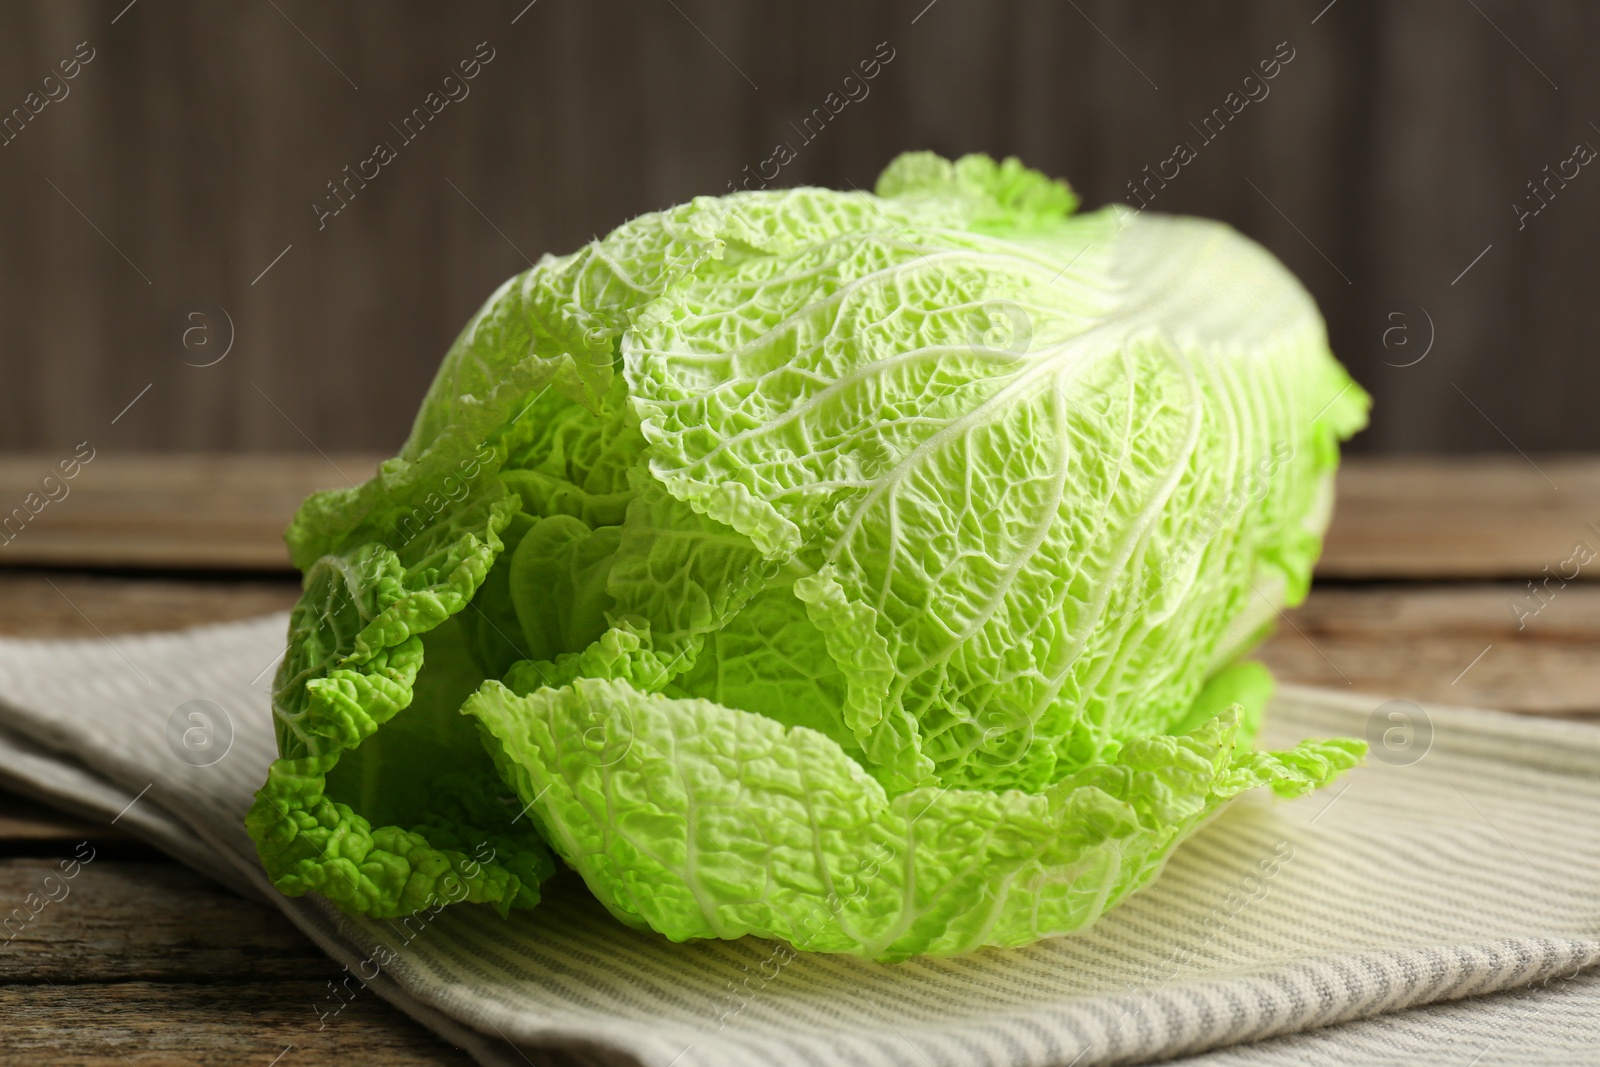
x,y
357,641
699,820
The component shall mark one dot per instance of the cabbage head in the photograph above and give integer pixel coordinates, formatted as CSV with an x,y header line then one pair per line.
x,y
869,571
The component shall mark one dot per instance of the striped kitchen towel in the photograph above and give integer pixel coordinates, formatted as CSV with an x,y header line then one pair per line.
x,y
1462,861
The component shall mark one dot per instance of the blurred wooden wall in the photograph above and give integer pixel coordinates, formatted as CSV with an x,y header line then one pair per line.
x,y
184,158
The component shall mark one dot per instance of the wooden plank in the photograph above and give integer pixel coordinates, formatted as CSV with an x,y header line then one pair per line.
x,y
151,963
172,512
31,824
1486,517
1450,644
144,1024
1483,517
140,921
75,605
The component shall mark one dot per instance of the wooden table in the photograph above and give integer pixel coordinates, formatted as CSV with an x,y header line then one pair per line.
x,y
152,964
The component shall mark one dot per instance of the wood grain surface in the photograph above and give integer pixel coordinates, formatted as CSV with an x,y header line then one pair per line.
x,y
1494,517
151,922
162,512
27,824
146,962
1484,517
213,1024
1456,644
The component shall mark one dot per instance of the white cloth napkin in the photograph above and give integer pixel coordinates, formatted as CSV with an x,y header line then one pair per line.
x,y
1471,870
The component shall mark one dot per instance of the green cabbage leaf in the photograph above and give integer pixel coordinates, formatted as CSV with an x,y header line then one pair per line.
x,y
870,571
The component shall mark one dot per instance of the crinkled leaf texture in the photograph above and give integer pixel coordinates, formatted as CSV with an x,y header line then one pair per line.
x,y
701,820
869,571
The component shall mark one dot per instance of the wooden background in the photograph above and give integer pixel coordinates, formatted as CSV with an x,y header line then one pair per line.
x,y
187,154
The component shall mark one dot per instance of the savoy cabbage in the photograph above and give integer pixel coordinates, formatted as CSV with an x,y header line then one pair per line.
x,y
869,571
